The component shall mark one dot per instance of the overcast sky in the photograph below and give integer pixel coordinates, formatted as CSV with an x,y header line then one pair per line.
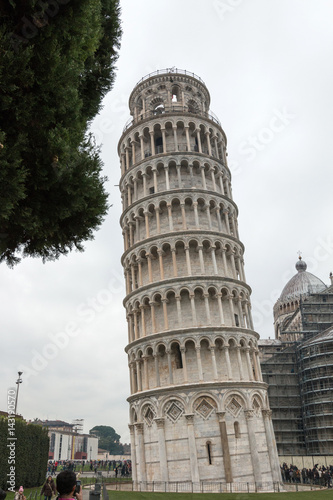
x,y
268,68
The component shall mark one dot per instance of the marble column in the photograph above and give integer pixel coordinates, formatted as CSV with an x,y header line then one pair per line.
x,y
198,351
183,353
239,360
251,427
195,477
232,312
219,301
152,142
188,260
160,259
141,452
168,352
201,259
225,447
174,262
175,137
271,445
133,453
162,449
165,314
203,177
212,351
227,360
213,249
157,371
248,361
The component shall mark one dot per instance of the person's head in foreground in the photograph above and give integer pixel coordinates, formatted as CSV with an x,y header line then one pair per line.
x,y
66,484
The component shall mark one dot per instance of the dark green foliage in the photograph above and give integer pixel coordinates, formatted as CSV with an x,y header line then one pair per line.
x,y
108,439
31,454
57,63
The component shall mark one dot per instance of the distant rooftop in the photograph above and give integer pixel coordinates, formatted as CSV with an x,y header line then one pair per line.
x,y
55,423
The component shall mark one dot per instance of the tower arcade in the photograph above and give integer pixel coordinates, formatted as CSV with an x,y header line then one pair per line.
x,y
198,406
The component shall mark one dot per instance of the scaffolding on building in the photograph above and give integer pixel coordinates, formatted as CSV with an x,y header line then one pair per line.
x,y
279,370
315,368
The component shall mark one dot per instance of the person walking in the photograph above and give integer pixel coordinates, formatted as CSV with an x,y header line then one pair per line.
x,y
19,495
48,488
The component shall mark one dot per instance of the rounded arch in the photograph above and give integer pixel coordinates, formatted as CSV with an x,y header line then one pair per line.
x,y
148,412
133,415
173,408
204,404
193,106
257,400
234,401
157,105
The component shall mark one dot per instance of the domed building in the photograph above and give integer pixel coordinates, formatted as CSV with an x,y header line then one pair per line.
x,y
300,286
298,366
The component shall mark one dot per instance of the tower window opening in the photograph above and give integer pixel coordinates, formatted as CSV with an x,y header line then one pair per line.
x,y
159,145
209,452
236,320
175,93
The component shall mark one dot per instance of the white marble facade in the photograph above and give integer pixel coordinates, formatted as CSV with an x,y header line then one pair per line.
x,y
198,406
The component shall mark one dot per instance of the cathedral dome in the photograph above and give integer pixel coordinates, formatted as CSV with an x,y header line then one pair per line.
x,y
302,283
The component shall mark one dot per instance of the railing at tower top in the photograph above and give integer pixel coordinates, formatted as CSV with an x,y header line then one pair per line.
x,y
172,109
171,71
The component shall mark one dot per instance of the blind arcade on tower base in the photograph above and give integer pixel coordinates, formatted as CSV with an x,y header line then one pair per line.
x,y
198,406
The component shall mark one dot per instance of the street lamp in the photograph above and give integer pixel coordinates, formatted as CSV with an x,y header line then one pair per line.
x,y
18,382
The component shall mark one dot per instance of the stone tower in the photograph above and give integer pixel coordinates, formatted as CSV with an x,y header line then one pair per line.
x,y
198,406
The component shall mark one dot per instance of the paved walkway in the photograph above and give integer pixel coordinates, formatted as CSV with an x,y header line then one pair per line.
x,y
85,494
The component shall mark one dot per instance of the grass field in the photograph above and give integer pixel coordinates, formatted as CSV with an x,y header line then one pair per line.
x,y
137,495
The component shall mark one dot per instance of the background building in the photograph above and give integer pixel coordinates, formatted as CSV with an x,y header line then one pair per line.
x,y
198,406
67,444
298,366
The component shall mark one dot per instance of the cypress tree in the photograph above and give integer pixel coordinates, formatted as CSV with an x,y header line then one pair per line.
x,y
57,62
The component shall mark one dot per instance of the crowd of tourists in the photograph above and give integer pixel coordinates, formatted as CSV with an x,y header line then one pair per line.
x,y
320,475
121,468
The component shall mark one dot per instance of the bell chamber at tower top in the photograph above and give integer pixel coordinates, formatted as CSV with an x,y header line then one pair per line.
x,y
170,113
171,91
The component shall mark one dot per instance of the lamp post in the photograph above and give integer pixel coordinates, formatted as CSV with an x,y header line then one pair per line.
x,y
18,382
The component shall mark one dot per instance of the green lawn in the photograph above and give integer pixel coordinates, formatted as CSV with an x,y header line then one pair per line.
x,y
27,491
135,495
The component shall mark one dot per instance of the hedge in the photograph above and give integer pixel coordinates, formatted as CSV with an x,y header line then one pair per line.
x,y
23,461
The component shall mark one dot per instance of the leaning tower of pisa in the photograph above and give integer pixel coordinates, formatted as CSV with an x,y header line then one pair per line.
x,y
199,410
